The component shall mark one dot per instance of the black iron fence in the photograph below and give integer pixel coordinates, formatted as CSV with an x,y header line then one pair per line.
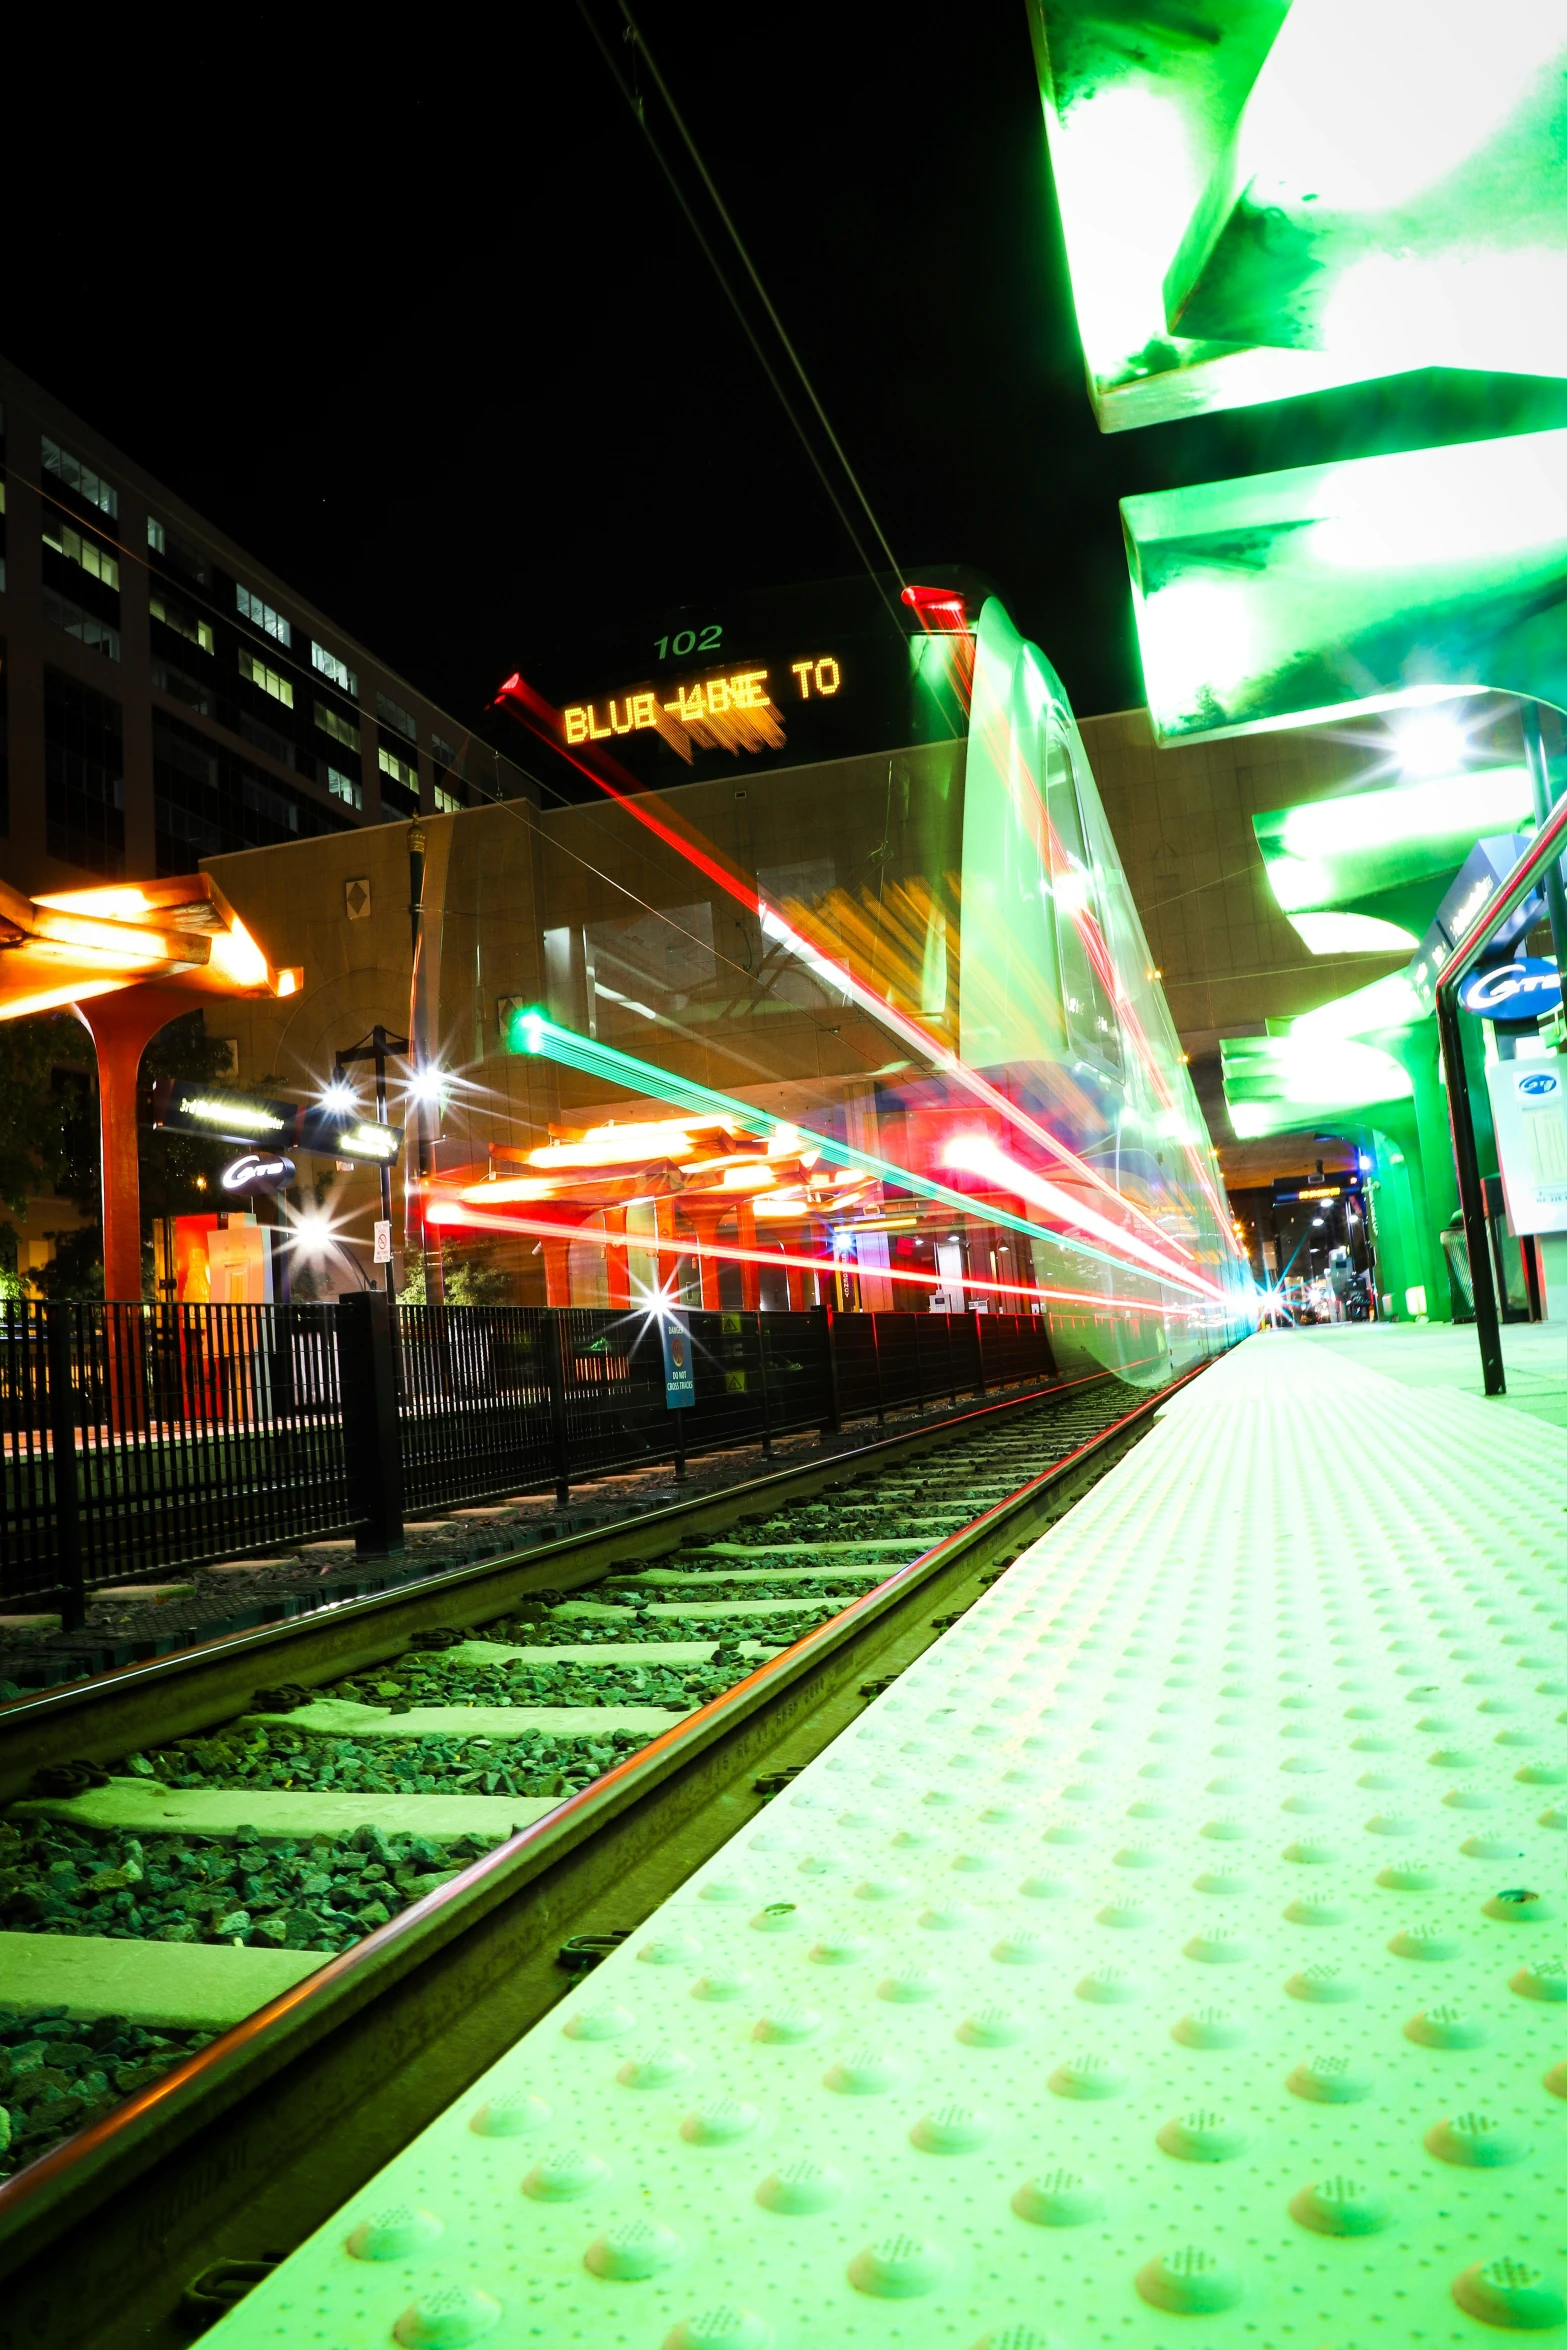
x,y
139,1440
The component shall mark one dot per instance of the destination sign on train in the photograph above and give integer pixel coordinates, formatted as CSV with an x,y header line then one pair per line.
x,y
742,709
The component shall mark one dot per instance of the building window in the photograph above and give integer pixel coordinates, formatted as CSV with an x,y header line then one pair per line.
x,y
398,769
344,787
446,802
183,623
338,725
185,796
81,478
266,738
338,671
267,812
96,561
208,802
391,714
5,778
165,542
268,679
262,616
180,688
445,753
86,627
84,776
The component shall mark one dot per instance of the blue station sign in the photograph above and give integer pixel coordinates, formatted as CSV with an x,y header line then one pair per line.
x,y
1513,994
679,1370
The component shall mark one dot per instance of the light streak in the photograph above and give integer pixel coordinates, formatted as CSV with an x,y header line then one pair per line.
x,y
978,1154
908,1030
457,1214
546,1037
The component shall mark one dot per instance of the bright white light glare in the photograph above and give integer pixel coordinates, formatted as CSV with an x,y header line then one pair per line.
x,y
1351,934
1386,1003
1484,799
978,1155
425,1084
312,1231
1199,627
1431,743
659,1304
1422,99
339,1096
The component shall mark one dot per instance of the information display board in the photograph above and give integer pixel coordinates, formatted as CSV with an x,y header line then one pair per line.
x,y
1529,1113
781,677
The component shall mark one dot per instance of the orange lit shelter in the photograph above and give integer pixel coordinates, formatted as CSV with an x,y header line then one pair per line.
x,y
127,959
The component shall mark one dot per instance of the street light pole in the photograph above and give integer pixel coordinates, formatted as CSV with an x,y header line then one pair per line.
x,y
434,1280
375,1048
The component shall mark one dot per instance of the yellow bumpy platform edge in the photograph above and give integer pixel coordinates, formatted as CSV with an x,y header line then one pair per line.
x,y
1175,1954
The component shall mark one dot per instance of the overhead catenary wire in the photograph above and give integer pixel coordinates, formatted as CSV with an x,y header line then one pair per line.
x,y
634,101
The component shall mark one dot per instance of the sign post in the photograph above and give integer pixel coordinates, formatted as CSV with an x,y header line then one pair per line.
x,y
1529,1112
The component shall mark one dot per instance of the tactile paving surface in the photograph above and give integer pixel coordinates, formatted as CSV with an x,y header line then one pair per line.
x,y
1176,1953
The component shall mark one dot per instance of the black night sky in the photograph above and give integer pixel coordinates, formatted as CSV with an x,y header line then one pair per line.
x,y
419,323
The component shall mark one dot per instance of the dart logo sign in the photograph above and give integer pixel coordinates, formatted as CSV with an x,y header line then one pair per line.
x,y
1513,992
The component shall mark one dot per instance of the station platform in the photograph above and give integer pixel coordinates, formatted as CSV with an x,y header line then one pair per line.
x,y
1446,1355
1173,1954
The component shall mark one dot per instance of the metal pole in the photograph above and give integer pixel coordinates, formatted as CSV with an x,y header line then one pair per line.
x,y
833,1424
60,1321
378,1041
1544,797
761,1376
1545,848
1471,1194
560,1438
434,1281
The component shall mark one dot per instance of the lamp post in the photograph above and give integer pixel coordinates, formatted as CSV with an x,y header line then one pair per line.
x,y
375,1048
434,1280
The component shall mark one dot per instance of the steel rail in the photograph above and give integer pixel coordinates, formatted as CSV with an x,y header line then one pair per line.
x,y
469,1965
1542,852
194,1689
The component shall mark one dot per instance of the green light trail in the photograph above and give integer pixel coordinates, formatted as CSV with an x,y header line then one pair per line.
x,y
530,1031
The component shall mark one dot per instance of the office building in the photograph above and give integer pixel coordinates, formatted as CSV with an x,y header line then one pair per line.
x,y
164,697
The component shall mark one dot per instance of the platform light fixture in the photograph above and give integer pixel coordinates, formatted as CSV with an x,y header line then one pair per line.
x,y
1430,743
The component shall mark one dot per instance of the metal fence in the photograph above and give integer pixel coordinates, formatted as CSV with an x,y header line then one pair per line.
x,y
144,1439
138,1438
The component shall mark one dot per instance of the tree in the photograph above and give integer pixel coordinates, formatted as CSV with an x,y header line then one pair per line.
x,y
37,1113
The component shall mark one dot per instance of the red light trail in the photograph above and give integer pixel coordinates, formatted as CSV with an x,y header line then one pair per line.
x,y
456,1214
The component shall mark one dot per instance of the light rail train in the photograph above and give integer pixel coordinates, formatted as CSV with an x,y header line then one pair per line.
x,y
880,928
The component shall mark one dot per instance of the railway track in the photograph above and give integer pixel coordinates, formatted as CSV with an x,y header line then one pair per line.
x,y
266,1906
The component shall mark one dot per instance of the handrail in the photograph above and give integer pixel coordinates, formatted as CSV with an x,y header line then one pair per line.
x,y
1542,851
